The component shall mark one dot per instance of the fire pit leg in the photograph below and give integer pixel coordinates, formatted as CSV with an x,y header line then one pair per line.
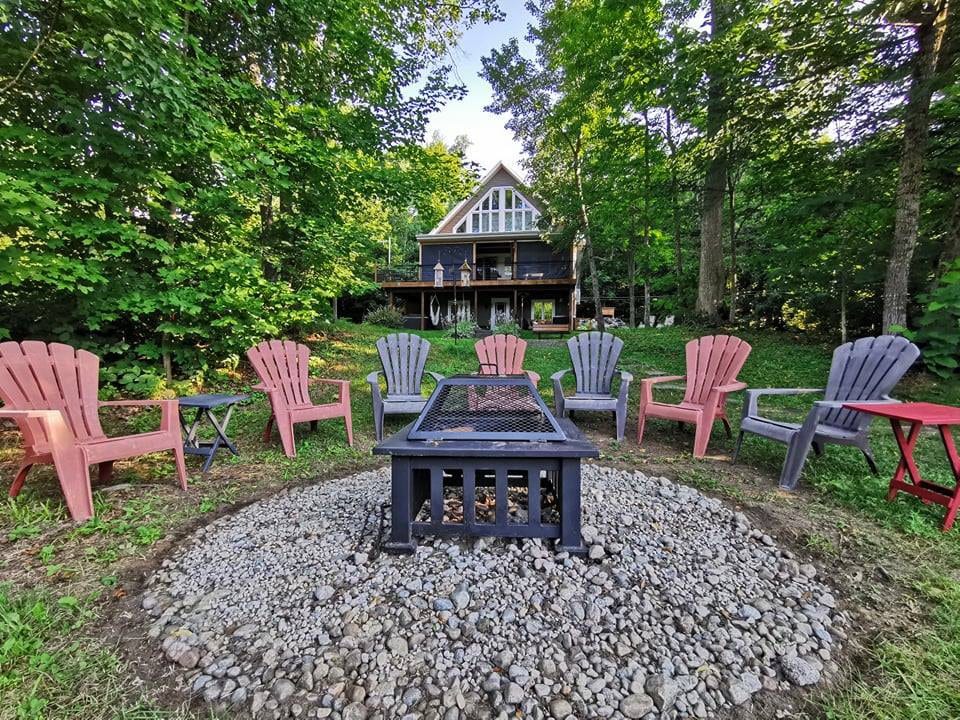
x,y
402,509
569,498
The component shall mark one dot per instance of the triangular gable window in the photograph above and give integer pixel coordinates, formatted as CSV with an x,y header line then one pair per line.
x,y
502,209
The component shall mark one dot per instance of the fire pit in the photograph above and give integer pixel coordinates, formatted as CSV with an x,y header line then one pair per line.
x,y
482,440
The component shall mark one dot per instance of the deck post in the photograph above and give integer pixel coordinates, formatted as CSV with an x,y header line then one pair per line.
x,y
423,319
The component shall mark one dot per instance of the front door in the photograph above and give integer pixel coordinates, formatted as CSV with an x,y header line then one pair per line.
x,y
499,310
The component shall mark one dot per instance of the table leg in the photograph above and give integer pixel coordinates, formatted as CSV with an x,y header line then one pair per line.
x,y
954,458
907,463
190,429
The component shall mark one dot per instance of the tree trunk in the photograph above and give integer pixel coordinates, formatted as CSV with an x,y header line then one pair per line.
x,y
896,290
710,285
732,220
632,283
587,240
646,218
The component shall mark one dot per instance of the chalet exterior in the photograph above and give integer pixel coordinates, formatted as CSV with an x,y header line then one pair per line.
x,y
514,272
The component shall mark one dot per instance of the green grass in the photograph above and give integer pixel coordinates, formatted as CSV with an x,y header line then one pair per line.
x,y
51,558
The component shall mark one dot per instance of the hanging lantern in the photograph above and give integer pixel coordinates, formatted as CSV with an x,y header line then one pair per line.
x,y
438,275
465,273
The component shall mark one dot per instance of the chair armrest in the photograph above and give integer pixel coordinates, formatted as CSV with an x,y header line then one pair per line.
x,y
646,386
330,381
625,379
833,404
168,410
534,377
559,374
731,387
374,377
436,376
625,376
751,403
56,428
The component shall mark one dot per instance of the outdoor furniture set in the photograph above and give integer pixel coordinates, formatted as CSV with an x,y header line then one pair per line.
x,y
51,392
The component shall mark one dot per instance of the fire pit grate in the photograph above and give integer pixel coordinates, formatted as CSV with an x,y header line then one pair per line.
x,y
486,408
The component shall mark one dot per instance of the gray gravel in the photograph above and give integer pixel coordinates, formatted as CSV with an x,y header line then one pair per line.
x,y
682,609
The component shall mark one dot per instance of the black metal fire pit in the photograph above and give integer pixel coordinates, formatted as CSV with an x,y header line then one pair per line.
x,y
486,458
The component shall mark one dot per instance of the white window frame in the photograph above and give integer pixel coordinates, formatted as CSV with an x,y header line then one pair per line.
x,y
491,214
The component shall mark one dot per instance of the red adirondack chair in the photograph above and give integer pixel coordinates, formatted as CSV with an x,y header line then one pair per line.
x,y
503,355
282,367
712,366
51,393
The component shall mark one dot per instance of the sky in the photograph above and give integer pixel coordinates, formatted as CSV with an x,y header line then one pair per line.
x,y
491,141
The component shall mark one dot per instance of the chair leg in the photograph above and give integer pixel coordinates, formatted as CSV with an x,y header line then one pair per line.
x,y
313,425
105,471
868,454
726,426
268,429
181,464
817,449
74,476
20,478
793,463
348,424
620,417
378,424
285,428
641,424
736,450
701,437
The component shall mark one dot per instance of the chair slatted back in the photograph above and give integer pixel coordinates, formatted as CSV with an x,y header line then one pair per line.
x,y
866,369
501,354
711,361
594,356
36,375
282,366
403,357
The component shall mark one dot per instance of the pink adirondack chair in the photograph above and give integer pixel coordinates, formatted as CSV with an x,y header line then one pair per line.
x,y
503,355
712,366
282,367
51,393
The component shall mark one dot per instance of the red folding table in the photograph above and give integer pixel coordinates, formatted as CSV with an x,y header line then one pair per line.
x,y
918,415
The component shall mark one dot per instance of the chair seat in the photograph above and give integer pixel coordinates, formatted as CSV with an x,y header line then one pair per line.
x,y
403,404
783,431
590,401
119,448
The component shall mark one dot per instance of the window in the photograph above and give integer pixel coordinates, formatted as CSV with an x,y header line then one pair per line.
x,y
502,209
542,311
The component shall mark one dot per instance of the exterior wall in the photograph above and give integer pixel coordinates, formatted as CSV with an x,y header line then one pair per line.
x,y
450,255
539,258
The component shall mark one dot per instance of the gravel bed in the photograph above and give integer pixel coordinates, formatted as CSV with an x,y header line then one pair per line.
x,y
288,608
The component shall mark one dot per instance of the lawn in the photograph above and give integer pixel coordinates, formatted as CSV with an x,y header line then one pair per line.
x,y
69,591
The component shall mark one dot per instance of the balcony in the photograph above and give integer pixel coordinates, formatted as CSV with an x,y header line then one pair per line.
x,y
518,272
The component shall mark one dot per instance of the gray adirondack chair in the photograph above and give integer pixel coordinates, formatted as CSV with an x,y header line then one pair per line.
x,y
865,370
403,357
594,356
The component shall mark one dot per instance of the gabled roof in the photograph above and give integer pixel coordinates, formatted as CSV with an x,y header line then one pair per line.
x,y
486,181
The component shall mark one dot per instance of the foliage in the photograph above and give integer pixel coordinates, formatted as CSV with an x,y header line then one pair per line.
x,y
939,326
462,327
179,180
385,316
506,324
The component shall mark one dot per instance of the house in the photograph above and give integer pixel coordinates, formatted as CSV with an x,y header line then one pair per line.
x,y
514,270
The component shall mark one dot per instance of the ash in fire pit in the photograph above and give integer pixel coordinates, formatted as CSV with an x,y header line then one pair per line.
x,y
492,442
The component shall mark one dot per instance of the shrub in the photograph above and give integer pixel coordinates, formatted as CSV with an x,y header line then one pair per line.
x,y
384,315
462,328
506,325
939,326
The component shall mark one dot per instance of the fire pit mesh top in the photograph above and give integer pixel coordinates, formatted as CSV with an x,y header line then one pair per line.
x,y
486,407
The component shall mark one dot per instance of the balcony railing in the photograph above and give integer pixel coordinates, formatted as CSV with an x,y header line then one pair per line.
x,y
522,270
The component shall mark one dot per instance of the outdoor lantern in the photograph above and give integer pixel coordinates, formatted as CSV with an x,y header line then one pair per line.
x,y
438,275
465,274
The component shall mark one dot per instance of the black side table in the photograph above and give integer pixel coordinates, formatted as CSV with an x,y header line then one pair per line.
x,y
205,405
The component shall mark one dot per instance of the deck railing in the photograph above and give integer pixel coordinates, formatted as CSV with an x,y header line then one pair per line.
x,y
522,270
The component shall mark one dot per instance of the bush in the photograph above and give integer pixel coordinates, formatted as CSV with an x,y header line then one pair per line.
x,y
384,315
939,326
462,328
506,325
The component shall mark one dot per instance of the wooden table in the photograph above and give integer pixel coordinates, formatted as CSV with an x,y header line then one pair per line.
x,y
918,415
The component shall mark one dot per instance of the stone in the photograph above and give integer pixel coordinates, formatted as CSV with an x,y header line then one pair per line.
x,y
663,690
513,694
636,705
799,671
560,709
283,689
